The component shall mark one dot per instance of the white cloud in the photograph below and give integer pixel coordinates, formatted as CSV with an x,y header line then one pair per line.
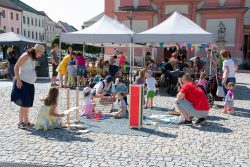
x,y
74,12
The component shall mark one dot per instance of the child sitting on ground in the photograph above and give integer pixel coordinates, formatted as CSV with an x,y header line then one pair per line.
x,y
151,87
121,87
229,99
48,118
202,81
120,111
71,74
88,104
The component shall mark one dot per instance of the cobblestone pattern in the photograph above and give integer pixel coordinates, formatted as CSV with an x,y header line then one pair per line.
x,y
224,141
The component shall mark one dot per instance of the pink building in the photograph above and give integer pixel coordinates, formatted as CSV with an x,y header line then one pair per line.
x,y
10,18
234,14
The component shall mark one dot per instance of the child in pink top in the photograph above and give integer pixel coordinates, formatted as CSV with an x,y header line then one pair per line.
x,y
202,81
88,104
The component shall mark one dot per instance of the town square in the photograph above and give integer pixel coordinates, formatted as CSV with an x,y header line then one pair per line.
x,y
125,83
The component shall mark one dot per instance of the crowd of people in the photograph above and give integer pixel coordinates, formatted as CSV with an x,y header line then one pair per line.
x,y
76,70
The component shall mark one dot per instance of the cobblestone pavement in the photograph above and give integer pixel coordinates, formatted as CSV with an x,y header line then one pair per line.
x,y
224,141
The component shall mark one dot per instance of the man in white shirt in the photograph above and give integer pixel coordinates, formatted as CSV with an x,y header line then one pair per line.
x,y
105,89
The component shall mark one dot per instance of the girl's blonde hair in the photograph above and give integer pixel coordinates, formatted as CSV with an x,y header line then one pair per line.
x,y
202,75
142,73
231,84
52,96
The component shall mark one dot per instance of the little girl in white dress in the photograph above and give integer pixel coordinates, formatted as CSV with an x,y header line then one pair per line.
x,y
88,105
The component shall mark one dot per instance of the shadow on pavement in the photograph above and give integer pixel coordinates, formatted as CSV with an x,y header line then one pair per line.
x,y
242,93
213,127
215,118
157,133
241,112
43,81
60,135
241,83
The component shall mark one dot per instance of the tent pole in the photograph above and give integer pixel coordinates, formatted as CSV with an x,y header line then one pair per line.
x,y
133,54
83,48
143,56
130,63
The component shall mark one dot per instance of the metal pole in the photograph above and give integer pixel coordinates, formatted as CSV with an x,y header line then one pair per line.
x,y
130,17
130,57
0,19
83,48
60,47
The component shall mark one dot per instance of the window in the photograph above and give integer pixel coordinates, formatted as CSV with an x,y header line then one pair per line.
x,y
12,29
17,17
32,21
24,21
39,23
4,28
35,22
28,34
11,15
17,30
24,32
32,35
3,13
36,36
28,20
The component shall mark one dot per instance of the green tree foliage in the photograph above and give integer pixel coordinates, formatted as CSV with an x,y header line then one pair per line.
x,y
1,31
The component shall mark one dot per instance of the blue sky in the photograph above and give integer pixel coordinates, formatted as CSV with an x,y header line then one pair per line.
x,y
74,12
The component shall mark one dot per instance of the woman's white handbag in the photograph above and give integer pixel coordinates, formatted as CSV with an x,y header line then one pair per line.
x,y
220,91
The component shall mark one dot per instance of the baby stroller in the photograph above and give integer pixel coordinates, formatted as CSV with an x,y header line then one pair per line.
x,y
212,88
212,85
172,81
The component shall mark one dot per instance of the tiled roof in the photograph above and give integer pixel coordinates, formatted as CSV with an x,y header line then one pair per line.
x,y
10,5
96,18
26,7
68,27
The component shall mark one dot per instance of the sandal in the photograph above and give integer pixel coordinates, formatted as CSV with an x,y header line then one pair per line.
x,y
20,125
30,124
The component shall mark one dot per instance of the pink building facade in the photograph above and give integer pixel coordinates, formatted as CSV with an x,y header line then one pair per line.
x,y
11,20
234,14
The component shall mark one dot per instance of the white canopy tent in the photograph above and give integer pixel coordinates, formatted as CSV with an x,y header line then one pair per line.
x,y
106,30
177,28
10,38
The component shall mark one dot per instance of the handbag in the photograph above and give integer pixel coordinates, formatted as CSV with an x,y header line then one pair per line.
x,y
220,91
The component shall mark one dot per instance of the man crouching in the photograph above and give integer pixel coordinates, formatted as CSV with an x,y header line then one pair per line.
x,y
192,102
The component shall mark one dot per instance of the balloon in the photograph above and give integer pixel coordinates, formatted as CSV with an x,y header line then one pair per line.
x,y
161,44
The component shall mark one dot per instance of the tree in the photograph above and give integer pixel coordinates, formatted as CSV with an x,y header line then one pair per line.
x,y
1,31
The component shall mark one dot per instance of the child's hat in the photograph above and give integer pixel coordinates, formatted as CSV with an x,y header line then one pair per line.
x,y
118,80
71,63
86,90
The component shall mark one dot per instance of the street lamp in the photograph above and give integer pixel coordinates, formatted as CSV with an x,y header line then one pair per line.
x,y
130,17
